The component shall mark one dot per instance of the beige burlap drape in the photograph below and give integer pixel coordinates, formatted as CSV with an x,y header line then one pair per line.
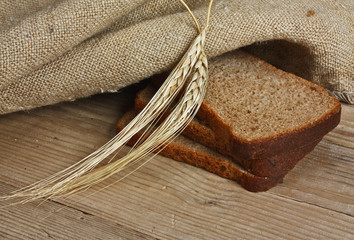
x,y
56,50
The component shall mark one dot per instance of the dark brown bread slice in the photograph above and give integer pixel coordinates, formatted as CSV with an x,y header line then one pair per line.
x,y
279,163
264,111
258,112
188,151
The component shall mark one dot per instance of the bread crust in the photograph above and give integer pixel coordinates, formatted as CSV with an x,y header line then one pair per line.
x,y
257,155
270,157
226,169
214,163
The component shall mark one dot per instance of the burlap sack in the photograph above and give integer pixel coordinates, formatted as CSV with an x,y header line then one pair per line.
x,y
55,50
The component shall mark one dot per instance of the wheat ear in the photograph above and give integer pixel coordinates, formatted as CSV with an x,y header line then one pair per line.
x,y
80,175
179,118
164,96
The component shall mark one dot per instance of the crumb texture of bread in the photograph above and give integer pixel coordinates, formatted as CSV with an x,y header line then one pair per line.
x,y
185,150
259,101
263,118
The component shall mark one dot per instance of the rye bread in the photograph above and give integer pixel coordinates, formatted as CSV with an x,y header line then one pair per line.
x,y
185,150
279,164
264,111
259,114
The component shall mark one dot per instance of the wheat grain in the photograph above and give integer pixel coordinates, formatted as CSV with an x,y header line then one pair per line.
x,y
168,91
80,175
179,118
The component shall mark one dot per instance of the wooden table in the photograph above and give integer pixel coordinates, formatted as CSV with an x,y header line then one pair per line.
x,y
166,199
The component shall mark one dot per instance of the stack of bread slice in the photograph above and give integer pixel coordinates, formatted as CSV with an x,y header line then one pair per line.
x,y
255,123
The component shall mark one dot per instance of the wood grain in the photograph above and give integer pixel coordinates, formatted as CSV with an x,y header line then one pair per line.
x,y
167,199
51,220
343,134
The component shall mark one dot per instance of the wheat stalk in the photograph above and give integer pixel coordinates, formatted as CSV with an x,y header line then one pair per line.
x,y
82,175
179,118
164,96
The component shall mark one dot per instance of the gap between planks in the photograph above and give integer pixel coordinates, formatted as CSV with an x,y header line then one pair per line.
x,y
226,211
53,220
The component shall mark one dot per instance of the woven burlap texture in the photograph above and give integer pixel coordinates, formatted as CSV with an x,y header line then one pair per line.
x,y
54,50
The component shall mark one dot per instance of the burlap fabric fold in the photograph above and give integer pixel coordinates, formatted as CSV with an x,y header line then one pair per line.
x,y
56,50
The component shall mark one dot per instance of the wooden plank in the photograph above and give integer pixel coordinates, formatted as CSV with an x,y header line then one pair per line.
x,y
52,220
172,200
168,199
343,134
324,178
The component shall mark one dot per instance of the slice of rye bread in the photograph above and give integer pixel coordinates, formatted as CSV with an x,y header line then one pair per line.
x,y
279,164
260,114
186,150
